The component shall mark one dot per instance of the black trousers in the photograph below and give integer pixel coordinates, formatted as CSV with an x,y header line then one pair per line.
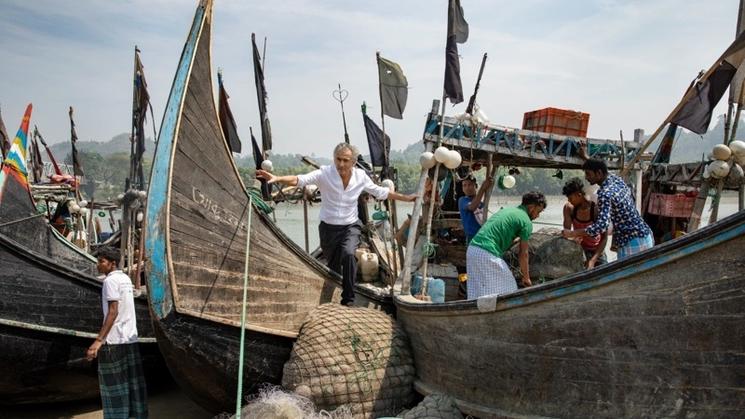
x,y
339,243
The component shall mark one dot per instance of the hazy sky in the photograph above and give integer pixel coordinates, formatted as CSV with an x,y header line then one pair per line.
x,y
625,62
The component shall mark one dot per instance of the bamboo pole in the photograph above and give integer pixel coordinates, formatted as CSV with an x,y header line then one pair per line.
x,y
432,203
404,277
305,219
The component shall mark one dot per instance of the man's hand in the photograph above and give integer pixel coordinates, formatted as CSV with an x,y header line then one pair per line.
x,y
568,234
92,351
488,182
268,177
412,197
526,281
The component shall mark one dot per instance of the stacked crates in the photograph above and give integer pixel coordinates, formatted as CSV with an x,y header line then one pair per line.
x,y
557,121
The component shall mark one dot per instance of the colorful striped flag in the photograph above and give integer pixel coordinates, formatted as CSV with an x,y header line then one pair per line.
x,y
17,153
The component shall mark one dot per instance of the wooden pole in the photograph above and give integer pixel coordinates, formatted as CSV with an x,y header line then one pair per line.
x,y
491,171
432,203
305,219
404,277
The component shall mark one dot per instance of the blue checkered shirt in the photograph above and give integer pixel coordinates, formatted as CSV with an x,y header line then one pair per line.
x,y
616,205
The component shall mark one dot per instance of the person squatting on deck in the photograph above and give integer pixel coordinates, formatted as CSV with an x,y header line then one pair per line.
x,y
120,374
471,206
615,203
488,273
579,212
340,227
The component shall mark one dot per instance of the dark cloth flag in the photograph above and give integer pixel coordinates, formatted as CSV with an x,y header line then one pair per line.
x,y
37,165
379,148
266,129
227,122
701,98
394,88
140,102
77,167
258,158
4,139
457,34
37,135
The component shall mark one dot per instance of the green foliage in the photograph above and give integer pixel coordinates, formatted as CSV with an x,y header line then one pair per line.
x,y
108,174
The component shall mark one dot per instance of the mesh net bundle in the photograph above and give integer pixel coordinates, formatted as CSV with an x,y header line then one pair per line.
x,y
551,256
356,357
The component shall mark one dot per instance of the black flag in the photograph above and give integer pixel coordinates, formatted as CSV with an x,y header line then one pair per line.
x,y
140,102
394,88
227,122
258,158
701,98
77,167
379,148
457,34
266,130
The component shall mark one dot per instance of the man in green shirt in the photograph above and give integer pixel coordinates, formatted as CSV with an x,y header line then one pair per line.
x,y
488,273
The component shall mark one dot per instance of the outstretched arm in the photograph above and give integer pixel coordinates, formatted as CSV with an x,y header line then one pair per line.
x,y
401,197
290,180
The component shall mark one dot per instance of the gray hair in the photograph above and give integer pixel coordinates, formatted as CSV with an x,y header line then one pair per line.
x,y
341,146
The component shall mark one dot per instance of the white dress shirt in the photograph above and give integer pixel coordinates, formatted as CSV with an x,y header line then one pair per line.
x,y
339,205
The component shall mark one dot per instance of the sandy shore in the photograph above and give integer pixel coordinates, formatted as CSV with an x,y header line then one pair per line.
x,y
168,402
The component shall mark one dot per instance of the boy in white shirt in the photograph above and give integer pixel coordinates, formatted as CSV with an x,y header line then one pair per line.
x,y
120,374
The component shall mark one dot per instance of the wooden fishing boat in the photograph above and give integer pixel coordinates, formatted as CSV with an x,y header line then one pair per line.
x,y
50,307
656,335
197,225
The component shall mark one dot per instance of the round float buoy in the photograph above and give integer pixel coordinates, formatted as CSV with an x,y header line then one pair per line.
x,y
267,165
721,152
718,169
453,159
427,160
441,154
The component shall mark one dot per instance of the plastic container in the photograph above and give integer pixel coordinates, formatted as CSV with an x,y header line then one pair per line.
x,y
369,267
416,283
557,121
436,290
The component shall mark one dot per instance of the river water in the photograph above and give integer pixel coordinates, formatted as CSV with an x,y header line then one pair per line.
x,y
290,216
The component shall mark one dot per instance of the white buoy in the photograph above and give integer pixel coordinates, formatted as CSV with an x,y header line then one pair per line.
x,y
142,195
140,216
387,183
267,165
707,173
718,169
740,159
441,154
508,182
74,208
736,174
453,160
721,152
737,147
83,203
427,160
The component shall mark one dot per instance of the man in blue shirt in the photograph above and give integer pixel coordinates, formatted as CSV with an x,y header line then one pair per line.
x,y
615,204
470,205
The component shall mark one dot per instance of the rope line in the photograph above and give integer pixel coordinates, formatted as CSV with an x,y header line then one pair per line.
x,y
20,220
239,397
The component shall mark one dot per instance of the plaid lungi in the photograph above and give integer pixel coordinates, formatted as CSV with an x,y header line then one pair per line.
x,y
636,245
122,382
487,274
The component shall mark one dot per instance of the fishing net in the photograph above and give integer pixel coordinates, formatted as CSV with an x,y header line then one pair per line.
x,y
272,402
436,405
355,357
551,256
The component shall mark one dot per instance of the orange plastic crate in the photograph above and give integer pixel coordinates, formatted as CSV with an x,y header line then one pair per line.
x,y
557,121
668,205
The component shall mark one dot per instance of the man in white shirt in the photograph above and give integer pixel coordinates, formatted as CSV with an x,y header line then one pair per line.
x,y
120,375
340,228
